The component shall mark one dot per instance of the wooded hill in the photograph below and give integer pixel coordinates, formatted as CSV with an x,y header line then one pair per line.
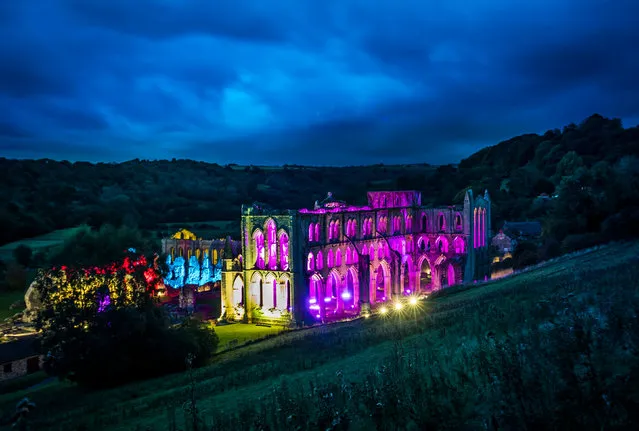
x,y
592,168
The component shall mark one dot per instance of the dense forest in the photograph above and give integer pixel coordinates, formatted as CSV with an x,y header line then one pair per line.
x,y
589,171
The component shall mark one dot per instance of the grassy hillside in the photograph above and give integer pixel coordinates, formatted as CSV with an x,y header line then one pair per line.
x,y
552,348
38,243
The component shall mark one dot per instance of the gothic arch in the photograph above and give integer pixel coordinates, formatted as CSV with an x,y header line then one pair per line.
x,y
423,218
441,244
259,248
310,261
350,294
284,292
406,274
238,290
425,271
269,291
283,250
441,221
381,282
255,290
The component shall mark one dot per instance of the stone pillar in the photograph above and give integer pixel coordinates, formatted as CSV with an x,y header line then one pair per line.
x,y
364,283
226,290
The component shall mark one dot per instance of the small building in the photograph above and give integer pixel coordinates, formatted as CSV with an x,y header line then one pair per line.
x,y
503,243
19,358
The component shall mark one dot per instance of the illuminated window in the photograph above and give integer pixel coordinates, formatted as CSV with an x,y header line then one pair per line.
x,y
284,262
310,262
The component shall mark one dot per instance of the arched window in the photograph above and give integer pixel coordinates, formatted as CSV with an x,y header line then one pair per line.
x,y
458,222
310,262
348,255
284,262
319,263
424,223
331,230
442,222
258,243
272,244
311,232
442,244
317,231
338,257
329,259
458,244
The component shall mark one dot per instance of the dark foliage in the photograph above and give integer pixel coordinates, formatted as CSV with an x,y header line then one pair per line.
x,y
23,254
589,172
99,343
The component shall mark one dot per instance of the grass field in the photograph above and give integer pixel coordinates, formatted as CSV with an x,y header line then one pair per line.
x,y
553,348
6,299
50,239
243,333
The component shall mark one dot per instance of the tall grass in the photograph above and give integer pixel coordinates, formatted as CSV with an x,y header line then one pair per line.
x,y
554,348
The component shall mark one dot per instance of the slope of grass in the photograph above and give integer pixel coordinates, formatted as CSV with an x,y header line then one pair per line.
x,y
37,243
6,299
242,333
552,348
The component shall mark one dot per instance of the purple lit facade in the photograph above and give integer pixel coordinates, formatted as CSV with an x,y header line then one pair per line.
x,y
336,261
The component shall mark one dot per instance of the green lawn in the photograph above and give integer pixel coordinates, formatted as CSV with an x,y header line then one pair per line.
x,y
508,352
243,333
50,239
6,299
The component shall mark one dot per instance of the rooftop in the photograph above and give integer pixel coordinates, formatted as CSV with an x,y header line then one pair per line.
x,y
531,228
20,349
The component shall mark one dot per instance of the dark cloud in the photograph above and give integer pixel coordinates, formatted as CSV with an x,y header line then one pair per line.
x,y
335,82
8,130
245,20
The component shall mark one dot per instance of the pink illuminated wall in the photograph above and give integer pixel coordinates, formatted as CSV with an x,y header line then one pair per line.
x,y
458,244
394,199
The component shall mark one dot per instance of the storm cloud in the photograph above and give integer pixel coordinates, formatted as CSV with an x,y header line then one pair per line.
x,y
285,81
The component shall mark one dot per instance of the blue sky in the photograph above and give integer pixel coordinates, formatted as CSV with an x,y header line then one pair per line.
x,y
333,82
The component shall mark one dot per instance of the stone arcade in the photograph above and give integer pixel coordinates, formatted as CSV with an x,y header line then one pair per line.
x,y
337,261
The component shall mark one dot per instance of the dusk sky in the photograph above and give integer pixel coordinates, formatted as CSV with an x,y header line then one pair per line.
x,y
306,81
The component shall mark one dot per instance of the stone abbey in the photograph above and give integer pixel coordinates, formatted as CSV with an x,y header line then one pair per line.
x,y
336,261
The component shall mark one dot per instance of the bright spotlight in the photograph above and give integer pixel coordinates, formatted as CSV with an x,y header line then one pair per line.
x,y
413,301
398,306
383,310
